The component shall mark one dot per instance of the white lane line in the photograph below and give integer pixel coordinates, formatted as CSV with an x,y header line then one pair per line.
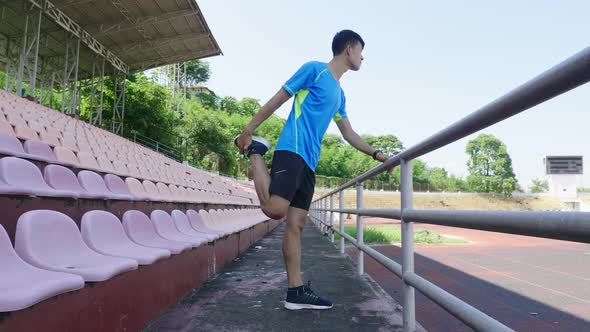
x,y
524,281
537,267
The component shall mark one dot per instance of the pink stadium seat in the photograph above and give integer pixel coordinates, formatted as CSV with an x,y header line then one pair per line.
x,y
51,240
184,226
40,150
166,228
62,178
6,127
49,139
23,285
10,145
25,133
197,223
116,185
70,143
136,189
53,131
120,167
21,177
66,155
140,230
16,120
152,191
87,161
103,232
105,164
94,184
165,192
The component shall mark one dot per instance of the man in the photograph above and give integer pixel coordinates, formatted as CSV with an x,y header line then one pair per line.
x,y
288,190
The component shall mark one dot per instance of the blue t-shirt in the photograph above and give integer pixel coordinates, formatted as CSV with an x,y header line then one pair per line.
x,y
318,99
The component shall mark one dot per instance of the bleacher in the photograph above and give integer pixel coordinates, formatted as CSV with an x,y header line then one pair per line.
x,y
92,220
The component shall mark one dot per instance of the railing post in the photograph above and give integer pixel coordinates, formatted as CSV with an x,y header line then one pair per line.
x,y
359,229
409,304
331,218
341,223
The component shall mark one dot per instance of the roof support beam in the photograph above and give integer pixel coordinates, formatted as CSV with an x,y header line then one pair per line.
x,y
108,28
156,44
156,62
61,19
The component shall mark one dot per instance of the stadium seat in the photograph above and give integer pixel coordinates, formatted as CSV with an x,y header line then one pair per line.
x,y
116,185
66,155
21,177
39,151
136,189
10,145
184,226
199,225
152,191
62,178
51,240
6,127
103,232
24,133
140,230
49,139
23,285
94,184
165,228
105,164
87,161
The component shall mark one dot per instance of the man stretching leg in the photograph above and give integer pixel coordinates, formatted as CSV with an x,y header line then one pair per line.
x,y
289,188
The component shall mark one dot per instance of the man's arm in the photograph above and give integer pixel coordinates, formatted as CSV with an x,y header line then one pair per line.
x,y
357,142
264,113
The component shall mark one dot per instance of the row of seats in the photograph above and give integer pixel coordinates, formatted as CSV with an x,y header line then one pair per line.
x,y
22,177
69,141
40,151
52,256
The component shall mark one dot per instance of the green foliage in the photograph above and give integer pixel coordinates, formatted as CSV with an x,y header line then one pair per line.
x,y
207,100
197,71
490,166
391,234
248,106
539,186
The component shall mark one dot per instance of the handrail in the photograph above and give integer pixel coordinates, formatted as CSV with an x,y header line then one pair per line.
x,y
571,226
567,75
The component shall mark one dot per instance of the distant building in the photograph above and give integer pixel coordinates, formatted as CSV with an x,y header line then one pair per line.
x,y
564,174
196,89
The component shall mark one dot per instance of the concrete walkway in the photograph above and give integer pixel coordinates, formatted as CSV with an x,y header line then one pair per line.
x,y
248,294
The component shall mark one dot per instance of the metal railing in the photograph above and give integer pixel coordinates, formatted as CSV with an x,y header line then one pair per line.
x,y
571,226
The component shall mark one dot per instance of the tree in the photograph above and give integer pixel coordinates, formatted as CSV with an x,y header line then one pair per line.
x,y
248,106
197,71
539,186
229,105
389,144
490,166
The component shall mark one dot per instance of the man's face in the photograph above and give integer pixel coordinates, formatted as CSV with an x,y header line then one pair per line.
x,y
355,56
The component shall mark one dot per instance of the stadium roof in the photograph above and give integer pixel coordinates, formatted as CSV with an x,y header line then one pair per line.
x,y
132,34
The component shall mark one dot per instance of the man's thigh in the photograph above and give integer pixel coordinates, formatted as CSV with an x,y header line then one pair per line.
x,y
285,175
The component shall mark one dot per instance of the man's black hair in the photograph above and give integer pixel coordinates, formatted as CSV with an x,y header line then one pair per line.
x,y
345,38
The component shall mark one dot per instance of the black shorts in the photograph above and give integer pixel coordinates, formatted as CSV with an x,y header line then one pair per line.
x,y
292,179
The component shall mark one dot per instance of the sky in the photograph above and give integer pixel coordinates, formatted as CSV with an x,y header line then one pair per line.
x,y
427,65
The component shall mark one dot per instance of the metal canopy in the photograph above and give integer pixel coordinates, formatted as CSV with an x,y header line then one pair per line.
x,y
133,35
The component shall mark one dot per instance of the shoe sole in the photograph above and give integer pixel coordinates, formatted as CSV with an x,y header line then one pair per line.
x,y
297,306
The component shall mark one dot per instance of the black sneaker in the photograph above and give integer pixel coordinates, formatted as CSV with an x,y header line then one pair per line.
x,y
258,146
303,297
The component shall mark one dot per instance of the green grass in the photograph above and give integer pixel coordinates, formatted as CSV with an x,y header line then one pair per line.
x,y
390,235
